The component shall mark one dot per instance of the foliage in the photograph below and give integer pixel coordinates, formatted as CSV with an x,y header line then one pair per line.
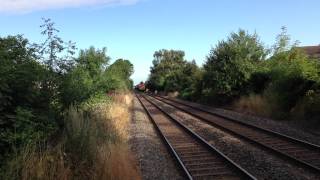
x,y
93,146
93,61
171,72
242,71
292,75
38,82
286,83
91,75
230,65
76,87
120,72
25,109
308,108
165,63
53,46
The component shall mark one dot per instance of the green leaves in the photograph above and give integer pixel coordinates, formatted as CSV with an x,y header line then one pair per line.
x,y
121,70
93,60
170,71
230,64
91,76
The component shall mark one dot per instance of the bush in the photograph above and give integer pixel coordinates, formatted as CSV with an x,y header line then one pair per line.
x,y
76,87
93,145
292,75
26,107
38,82
308,109
286,82
229,66
259,81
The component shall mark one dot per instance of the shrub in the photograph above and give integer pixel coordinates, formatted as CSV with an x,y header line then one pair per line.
x,y
307,110
292,75
93,145
229,66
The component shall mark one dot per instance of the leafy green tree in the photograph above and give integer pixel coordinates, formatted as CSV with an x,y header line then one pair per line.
x,y
85,78
94,60
292,74
76,87
164,63
121,70
52,49
230,64
183,78
25,113
39,81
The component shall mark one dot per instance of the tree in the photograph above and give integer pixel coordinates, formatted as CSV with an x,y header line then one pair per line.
x,y
94,60
164,63
121,70
181,79
25,113
85,78
230,64
53,46
292,74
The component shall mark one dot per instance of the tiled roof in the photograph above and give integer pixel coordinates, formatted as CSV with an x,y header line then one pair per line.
x,y
313,51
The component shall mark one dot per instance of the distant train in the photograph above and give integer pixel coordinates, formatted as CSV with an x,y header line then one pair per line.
x,y
141,87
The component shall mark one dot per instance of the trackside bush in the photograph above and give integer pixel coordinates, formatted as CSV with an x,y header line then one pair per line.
x,y
229,66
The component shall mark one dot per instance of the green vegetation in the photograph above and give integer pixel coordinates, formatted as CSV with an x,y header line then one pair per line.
x,y
230,65
65,116
55,109
171,72
240,71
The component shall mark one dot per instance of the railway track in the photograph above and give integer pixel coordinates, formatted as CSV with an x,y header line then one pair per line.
x,y
197,158
300,152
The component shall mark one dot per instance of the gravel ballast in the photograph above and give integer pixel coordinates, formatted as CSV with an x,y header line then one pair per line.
x,y
154,160
284,127
260,163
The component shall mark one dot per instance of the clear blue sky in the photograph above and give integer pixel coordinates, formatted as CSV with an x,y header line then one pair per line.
x,y
134,29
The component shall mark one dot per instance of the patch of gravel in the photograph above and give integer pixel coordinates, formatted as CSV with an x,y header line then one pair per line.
x,y
153,158
284,127
287,128
261,164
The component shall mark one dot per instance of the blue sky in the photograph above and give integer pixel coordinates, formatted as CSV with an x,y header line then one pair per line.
x,y
134,29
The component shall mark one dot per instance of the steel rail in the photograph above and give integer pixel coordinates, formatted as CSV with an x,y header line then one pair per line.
x,y
282,154
171,149
305,143
230,163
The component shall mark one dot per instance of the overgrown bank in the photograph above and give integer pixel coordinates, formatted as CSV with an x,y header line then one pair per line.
x,y
59,112
92,146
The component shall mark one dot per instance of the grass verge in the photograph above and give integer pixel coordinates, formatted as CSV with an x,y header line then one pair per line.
x,y
93,145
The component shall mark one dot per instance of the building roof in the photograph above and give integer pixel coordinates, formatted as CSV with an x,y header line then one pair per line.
x,y
312,51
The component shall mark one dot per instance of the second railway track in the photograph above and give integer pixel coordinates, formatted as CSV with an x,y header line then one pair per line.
x,y
300,152
197,158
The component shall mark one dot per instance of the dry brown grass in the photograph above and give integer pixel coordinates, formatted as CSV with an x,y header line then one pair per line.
x,y
116,162
95,146
253,104
115,159
173,94
34,164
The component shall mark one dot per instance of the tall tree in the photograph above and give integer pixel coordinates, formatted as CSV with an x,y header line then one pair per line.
x,y
94,60
122,68
55,53
231,63
25,113
120,71
164,63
